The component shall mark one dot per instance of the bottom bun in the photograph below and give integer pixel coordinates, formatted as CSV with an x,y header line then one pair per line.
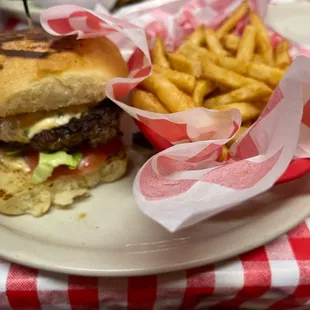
x,y
19,196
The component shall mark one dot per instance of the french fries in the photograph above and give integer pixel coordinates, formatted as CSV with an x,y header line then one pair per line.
x,y
202,89
224,154
180,63
232,20
254,70
262,39
217,69
258,59
185,82
225,149
247,124
231,42
146,101
238,134
246,46
223,76
248,110
213,43
261,72
173,98
250,92
197,37
282,57
159,54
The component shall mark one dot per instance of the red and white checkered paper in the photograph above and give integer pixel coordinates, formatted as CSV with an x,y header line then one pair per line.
x,y
185,184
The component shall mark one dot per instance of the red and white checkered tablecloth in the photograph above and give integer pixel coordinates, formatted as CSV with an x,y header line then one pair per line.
x,y
276,276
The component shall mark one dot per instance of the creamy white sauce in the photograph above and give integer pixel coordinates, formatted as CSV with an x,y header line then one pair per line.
x,y
50,123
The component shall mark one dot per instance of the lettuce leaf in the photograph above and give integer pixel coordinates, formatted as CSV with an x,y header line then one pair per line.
x,y
48,162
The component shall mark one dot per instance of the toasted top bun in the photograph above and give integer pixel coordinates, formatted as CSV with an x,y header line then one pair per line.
x,y
40,72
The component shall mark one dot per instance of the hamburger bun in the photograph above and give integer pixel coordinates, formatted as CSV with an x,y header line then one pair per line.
x,y
40,72
51,105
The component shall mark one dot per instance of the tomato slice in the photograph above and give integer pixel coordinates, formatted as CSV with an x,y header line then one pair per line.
x,y
93,159
31,159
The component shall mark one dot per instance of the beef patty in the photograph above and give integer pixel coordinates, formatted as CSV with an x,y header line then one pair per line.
x,y
97,125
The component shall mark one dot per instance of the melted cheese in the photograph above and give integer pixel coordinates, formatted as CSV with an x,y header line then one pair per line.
x,y
13,162
50,123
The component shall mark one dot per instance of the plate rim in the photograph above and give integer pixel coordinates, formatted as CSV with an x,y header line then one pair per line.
x,y
36,262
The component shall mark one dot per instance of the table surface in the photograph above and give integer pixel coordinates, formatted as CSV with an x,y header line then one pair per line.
x,y
276,276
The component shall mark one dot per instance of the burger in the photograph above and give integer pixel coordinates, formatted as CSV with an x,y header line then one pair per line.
x,y
59,136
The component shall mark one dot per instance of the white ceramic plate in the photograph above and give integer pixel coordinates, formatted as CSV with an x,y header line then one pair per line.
x,y
116,239
291,20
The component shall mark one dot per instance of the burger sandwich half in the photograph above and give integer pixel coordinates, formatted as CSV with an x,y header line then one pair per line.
x,y
59,136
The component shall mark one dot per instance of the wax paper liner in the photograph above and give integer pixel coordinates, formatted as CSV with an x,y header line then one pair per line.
x,y
184,184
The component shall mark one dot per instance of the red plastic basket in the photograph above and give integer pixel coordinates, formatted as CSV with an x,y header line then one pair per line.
x,y
296,169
